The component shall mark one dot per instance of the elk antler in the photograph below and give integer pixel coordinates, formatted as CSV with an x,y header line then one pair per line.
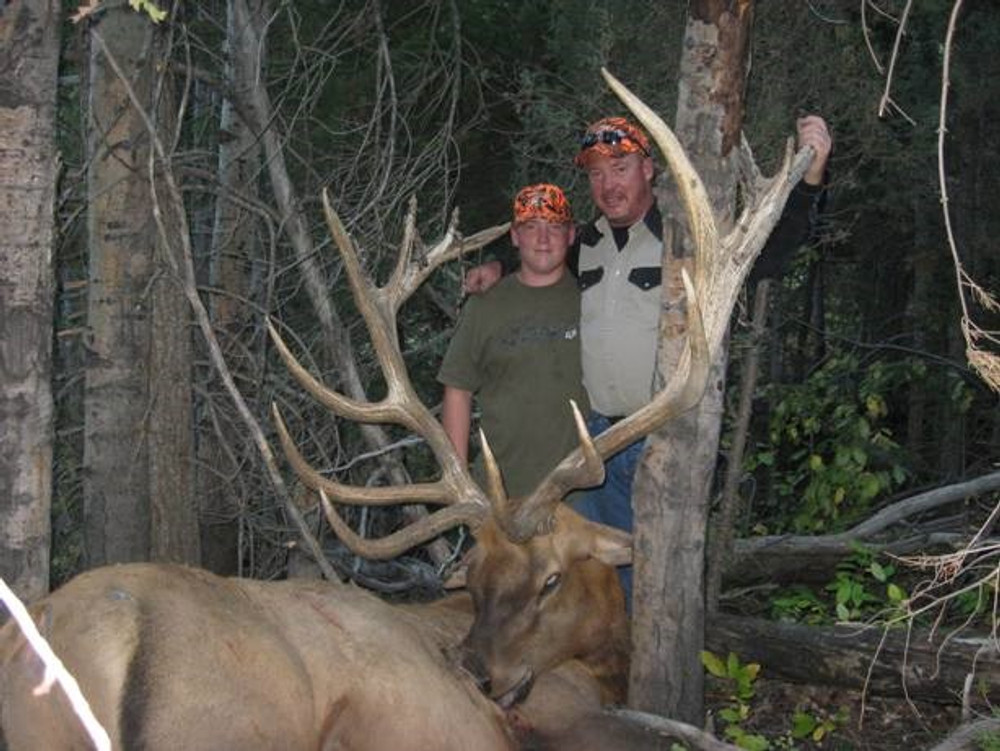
x,y
401,405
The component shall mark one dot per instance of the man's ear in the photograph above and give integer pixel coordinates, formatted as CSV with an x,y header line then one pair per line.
x,y
513,237
572,233
648,168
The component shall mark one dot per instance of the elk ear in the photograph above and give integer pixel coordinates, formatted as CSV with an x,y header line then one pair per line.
x,y
611,545
587,539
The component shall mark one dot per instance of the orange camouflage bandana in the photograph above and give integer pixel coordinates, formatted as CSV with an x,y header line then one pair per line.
x,y
611,136
542,201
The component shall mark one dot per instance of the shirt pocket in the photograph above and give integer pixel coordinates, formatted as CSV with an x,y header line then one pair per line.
x,y
646,277
589,277
640,305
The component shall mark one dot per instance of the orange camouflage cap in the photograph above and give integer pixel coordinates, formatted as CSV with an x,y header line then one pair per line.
x,y
612,136
542,201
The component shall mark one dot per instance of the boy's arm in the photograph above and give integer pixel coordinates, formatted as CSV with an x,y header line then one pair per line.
x,y
456,417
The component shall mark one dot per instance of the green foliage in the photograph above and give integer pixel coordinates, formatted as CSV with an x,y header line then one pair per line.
x,y
988,741
863,588
799,604
739,678
151,9
817,726
828,439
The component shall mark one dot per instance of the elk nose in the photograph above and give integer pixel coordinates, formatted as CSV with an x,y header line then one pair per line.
x,y
475,667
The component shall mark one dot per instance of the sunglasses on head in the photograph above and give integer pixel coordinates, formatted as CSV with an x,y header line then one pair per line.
x,y
609,137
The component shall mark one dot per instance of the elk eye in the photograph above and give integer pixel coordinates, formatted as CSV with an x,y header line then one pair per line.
x,y
550,584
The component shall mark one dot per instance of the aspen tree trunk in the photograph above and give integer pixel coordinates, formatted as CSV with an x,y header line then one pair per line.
x,y
673,483
29,59
138,499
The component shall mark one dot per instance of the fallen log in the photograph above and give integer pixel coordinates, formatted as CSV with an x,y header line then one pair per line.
x,y
803,558
895,663
813,560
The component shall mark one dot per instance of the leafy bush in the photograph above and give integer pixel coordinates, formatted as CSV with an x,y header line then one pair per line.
x,y
829,450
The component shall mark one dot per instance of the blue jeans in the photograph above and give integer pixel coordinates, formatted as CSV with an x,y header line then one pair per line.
x,y
611,503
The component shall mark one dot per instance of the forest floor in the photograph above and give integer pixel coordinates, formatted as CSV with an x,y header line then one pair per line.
x,y
864,723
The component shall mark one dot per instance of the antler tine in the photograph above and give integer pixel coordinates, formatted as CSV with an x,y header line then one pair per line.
x,y
438,493
687,385
399,542
406,278
494,480
339,404
405,258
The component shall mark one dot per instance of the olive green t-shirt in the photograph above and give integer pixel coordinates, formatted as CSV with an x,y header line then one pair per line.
x,y
517,348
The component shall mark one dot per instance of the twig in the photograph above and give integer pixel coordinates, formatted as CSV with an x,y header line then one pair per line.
x,y
886,99
55,671
985,363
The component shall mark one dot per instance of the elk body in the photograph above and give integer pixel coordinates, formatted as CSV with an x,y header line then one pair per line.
x,y
173,658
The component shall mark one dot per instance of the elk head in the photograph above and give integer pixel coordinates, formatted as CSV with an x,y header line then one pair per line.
x,y
541,577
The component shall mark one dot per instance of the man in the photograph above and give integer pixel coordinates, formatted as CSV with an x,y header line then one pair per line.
x,y
617,260
517,350
619,275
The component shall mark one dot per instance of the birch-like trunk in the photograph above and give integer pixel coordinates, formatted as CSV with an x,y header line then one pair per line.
x,y
29,57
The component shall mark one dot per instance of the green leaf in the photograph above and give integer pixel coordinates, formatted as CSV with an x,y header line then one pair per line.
x,y
713,664
754,743
803,724
728,714
895,593
732,665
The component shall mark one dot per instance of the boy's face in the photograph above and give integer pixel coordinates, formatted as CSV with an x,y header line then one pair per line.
x,y
542,246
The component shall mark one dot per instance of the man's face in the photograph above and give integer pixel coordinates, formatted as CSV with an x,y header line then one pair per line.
x,y
621,186
543,247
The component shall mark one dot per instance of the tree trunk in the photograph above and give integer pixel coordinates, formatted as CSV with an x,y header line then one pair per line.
x,y
29,58
674,479
137,432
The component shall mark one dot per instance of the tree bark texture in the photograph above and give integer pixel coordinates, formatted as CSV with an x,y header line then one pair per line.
x,y
29,58
137,423
673,482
